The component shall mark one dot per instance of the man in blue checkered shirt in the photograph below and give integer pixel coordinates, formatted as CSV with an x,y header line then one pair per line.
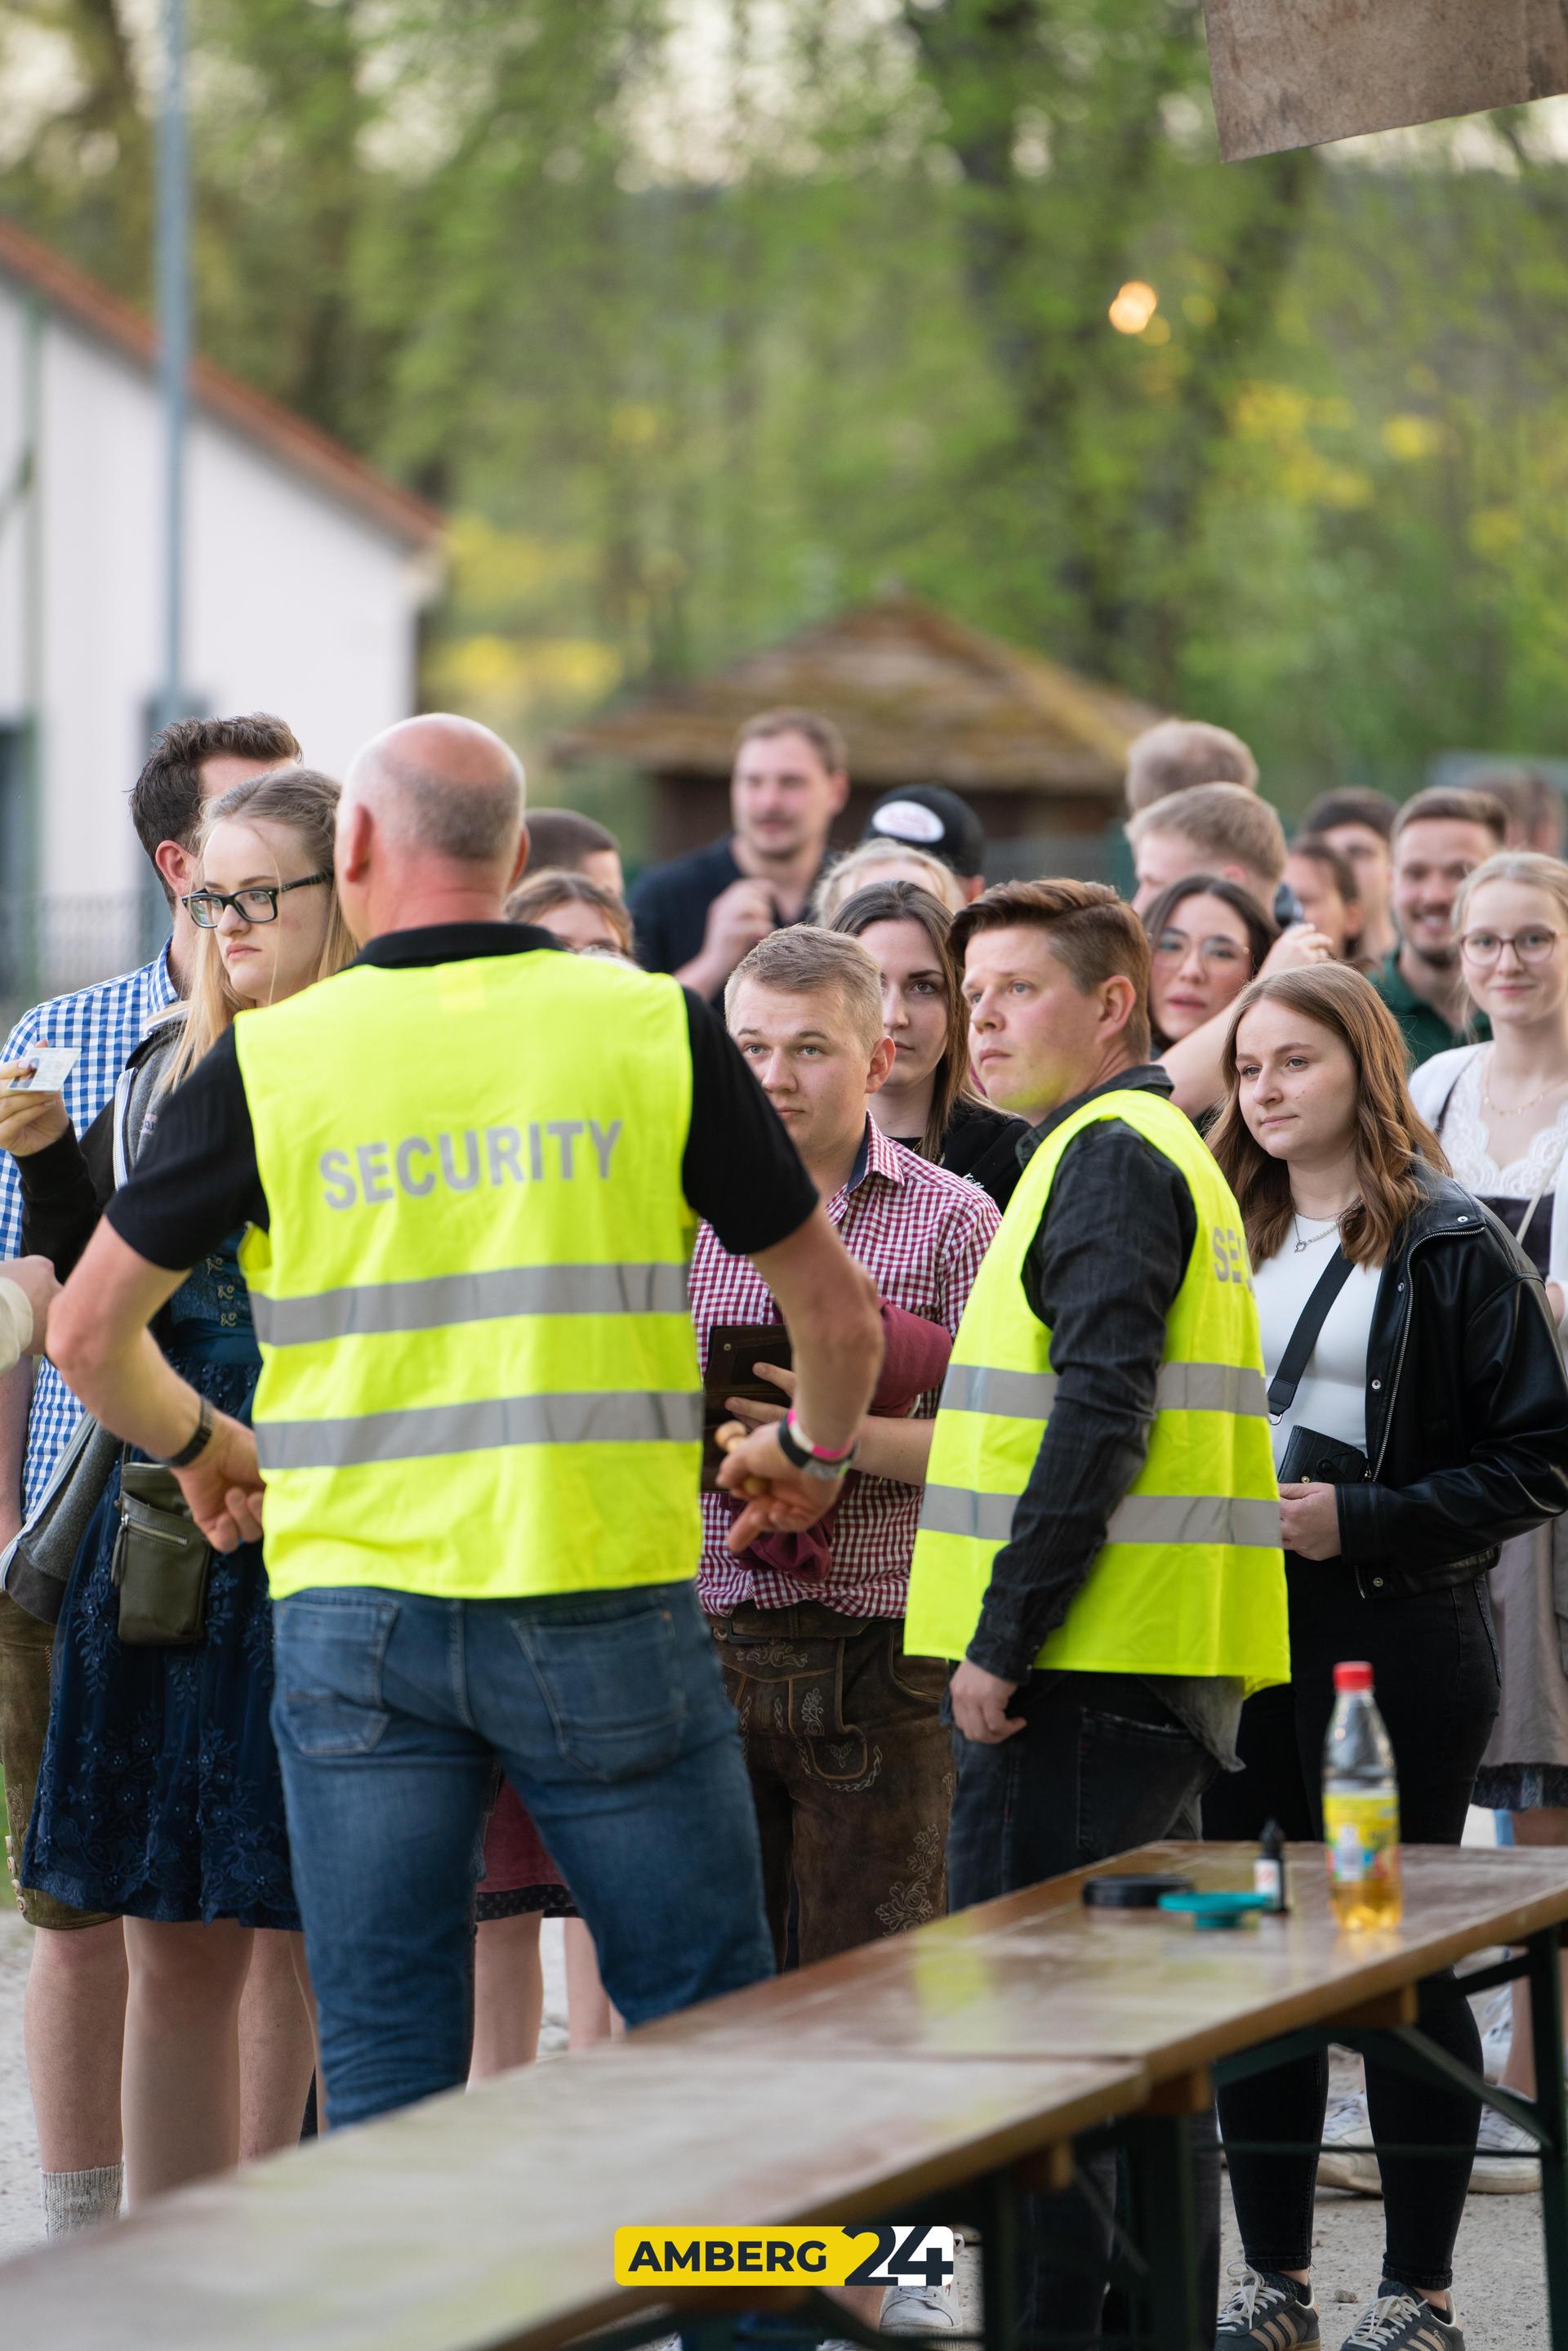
x,y
76,1993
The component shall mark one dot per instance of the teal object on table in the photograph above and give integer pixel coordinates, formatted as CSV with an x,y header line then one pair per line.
x,y
1212,1913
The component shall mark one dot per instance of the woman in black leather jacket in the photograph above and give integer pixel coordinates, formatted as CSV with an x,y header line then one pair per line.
x,y
1429,1422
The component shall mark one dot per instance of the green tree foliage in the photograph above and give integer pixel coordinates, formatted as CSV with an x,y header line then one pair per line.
x,y
704,317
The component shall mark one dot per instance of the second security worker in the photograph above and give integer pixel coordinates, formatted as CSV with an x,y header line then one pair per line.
x,y
473,1168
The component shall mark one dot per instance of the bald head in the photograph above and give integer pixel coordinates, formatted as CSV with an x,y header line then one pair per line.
x,y
443,788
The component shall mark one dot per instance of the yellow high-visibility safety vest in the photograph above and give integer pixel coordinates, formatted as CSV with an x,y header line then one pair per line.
x,y
479,1376
1191,1580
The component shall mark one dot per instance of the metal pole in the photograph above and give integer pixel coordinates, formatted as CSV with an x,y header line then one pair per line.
x,y
173,289
27,883
172,274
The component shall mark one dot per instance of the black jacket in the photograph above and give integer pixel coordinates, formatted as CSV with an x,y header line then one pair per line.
x,y
1467,1404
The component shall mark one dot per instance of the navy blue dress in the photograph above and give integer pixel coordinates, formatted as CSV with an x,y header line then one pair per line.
x,y
158,1794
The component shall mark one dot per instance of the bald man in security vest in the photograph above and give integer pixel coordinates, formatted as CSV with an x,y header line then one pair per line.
x,y
471,1166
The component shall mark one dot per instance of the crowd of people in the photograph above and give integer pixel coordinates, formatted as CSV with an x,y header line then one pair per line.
x,y
746,1414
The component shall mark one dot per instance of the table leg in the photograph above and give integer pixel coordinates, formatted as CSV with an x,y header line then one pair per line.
x,y
1001,2251
1546,2034
1164,2227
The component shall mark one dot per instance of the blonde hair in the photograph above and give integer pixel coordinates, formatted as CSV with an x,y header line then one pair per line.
x,y
1226,823
559,885
304,802
1181,754
857,866
807,961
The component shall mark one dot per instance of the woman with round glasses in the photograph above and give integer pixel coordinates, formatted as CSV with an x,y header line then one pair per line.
x,y
159,1795
1208,937
1501,1110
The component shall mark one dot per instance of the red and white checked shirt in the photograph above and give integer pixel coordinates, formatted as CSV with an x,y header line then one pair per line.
x,y
920,1234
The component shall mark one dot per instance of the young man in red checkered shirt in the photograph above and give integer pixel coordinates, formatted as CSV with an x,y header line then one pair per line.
x,y
850,1765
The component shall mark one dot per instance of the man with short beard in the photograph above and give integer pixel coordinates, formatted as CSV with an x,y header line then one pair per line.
x,y
1438,838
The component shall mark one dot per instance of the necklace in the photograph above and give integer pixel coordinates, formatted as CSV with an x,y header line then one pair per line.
x,y
1331,1227
1494,1110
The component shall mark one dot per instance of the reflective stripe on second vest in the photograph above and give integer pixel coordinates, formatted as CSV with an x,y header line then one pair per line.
x,y
1141,1519
1029,1396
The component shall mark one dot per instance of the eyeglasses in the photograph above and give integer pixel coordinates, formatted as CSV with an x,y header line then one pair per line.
x,y
1532,947
1216,950
256,904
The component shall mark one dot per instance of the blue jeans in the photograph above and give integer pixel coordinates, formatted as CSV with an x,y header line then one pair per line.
x,y
608,1712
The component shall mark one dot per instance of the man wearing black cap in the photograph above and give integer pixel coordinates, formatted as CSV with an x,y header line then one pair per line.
x,y
929,817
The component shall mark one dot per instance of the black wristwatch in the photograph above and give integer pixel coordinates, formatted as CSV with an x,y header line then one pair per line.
x,y
828,1467
195,1445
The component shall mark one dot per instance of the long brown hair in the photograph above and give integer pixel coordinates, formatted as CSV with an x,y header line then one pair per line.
x,y
304,802
905,901
1391,1136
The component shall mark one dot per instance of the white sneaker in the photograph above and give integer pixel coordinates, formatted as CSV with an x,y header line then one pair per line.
x,y
1498,2168
1348,2160
920,2309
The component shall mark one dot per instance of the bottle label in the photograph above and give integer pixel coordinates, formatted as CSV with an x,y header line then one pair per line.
x,y
1361,1833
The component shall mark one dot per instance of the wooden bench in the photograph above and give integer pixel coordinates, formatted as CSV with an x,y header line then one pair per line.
x,y
488,2219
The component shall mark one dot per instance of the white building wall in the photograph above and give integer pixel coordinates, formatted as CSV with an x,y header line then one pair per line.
x,y
294,603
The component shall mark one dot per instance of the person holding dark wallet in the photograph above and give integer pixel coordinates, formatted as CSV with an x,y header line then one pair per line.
x,y
1420,1418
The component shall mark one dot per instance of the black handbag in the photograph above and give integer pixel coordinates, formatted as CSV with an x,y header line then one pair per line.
x,y
161,1562
1309,1455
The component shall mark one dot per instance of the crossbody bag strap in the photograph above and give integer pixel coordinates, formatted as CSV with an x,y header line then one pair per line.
x,y
1304,1338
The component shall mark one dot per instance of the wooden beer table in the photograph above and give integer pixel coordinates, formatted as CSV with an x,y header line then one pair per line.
x,y
1037,1974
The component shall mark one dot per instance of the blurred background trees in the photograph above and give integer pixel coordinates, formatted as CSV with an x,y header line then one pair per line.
x,y
704,317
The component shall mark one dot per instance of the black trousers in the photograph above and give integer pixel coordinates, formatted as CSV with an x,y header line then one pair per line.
x,y
1434,1658
1100,1766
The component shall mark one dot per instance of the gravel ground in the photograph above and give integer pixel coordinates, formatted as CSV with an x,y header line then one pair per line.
x,y
1501,2288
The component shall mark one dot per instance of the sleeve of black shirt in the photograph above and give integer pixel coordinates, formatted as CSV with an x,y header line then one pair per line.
x,y
196,1180
1110,1255
740,1171
64,1188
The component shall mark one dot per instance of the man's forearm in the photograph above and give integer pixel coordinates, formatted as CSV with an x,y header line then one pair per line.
x,y
895,1448
830,1311
135,1393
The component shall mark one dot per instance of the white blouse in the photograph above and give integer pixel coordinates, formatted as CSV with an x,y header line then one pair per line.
x,y
1449,1088
1332,1397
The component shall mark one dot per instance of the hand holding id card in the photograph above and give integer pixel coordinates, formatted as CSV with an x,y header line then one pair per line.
x,y
45,1070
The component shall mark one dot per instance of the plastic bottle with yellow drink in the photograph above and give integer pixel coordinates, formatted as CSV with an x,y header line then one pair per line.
x,y
1360,1807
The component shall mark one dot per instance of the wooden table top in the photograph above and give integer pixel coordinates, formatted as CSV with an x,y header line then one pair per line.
x,y
488,2220
1038,1974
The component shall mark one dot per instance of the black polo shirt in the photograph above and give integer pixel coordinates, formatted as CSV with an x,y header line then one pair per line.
x,y
197,1180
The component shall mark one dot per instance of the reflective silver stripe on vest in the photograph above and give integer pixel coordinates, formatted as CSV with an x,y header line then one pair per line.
x,y
1029,1396
451,1298
1211,1519
632,1417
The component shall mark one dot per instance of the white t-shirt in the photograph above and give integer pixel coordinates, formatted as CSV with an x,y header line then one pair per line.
x,y
1332,1397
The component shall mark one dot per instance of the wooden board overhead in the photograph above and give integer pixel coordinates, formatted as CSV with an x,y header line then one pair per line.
x,y
1294,73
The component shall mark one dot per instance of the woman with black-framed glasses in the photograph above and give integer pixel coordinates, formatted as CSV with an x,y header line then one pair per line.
x,y
159,1790
1501,1110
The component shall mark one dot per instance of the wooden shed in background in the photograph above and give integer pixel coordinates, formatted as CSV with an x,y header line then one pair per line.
x,y
922,699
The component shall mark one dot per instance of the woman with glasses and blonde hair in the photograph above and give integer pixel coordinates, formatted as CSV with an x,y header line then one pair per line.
x,y
1501,1110
159,1795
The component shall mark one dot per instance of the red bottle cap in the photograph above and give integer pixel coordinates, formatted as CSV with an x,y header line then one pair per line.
x,y
1353,1676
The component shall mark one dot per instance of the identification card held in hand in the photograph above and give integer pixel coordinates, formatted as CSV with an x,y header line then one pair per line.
x,y
51,1065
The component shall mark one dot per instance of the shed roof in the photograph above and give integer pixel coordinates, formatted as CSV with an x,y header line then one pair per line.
x,y
921,697
291,438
